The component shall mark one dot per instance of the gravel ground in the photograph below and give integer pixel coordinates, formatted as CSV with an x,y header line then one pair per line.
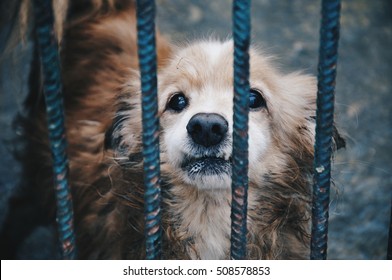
x,y
360,208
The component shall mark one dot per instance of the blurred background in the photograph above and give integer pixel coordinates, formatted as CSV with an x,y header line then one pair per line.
x,y
289,30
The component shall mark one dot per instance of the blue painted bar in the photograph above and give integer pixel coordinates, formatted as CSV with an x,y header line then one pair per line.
x,y
52,86
328,54
241,36
148,69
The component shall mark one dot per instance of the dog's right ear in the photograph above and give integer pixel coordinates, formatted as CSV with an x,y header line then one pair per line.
x,y
123,136
114,140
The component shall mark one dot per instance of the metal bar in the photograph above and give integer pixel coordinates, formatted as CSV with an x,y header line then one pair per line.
x,y
389,250
241,34
50,62
148,68
328,54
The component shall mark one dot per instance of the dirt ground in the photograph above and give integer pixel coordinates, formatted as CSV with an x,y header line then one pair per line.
x,y
361,199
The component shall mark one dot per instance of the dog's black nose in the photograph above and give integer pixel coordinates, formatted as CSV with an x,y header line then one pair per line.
x,y
207,129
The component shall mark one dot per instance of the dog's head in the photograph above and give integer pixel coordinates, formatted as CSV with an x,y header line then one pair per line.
x,y
196,116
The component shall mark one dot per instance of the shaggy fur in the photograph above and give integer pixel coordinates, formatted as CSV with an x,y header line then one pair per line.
x,y
103,122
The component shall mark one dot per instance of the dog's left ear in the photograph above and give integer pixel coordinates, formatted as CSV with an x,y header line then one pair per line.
x,y
338,140
297,109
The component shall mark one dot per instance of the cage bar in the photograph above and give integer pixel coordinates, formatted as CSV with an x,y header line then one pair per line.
x,y
241,35
328,54
52,87
148,70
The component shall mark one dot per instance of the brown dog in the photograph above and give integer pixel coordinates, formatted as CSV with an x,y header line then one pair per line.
x,y
103,122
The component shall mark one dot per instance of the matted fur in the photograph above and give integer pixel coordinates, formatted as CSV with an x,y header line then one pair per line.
x,y
103,122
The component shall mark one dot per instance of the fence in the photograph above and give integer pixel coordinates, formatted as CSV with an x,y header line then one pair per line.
x,y
329,35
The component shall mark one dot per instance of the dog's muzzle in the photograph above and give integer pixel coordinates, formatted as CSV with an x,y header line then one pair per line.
x,y
208,132
207,129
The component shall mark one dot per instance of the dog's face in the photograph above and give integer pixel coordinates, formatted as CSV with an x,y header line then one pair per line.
x,y
196,99
196,104
196,116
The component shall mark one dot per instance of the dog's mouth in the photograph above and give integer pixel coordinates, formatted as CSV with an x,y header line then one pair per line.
x,y
206,166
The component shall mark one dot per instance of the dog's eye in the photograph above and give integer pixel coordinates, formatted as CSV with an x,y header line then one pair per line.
x,y
256,100
177,102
